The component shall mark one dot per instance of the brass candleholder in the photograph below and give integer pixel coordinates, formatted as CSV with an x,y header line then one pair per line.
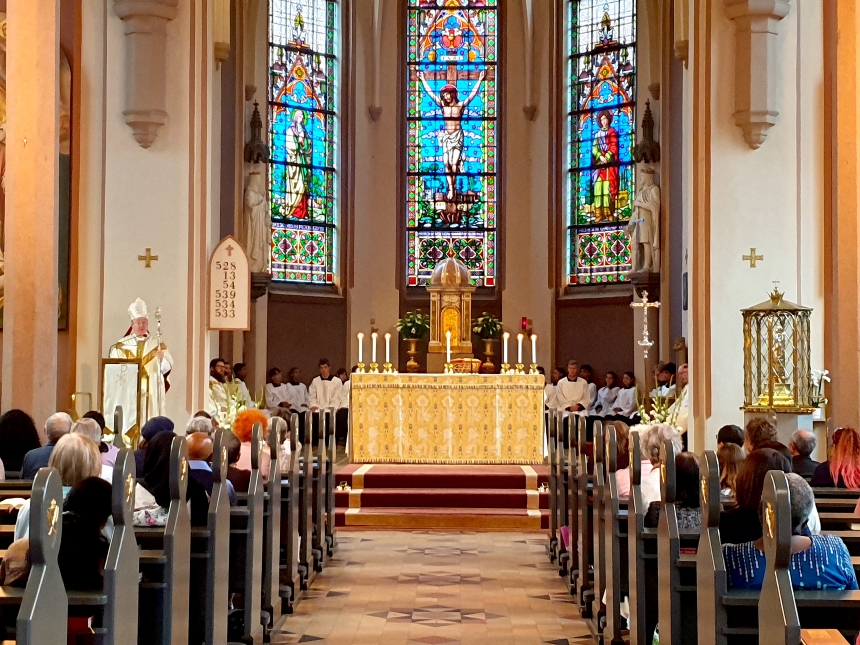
x,y
387,369
360,368
533,368
505,369
449,368
374,368
521,368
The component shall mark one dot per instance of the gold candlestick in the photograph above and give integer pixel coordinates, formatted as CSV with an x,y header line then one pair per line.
x,y
520,368
533,368
387,369
449,368
506,368
374,368
360,368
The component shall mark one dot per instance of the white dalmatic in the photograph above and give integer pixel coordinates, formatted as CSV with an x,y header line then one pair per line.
x,y
152,386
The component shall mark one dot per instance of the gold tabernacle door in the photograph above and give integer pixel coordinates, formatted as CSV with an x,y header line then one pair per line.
x,y
447,418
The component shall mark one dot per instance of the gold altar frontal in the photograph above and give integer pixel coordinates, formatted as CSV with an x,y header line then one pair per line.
x,y
446,418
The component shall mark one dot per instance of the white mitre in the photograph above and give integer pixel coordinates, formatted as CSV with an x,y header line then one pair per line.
x,y
137,309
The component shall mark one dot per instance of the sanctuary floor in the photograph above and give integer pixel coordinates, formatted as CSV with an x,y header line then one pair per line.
x,y
437,588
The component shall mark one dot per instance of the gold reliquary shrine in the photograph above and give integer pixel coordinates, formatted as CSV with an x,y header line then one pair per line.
x,y
450,292
777,374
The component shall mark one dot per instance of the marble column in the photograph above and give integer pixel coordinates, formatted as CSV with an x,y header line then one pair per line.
x,y
32,221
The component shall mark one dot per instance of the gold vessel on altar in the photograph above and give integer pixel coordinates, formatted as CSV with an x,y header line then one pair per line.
x,y
777,374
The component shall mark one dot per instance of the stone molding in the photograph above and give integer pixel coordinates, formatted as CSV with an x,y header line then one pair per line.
x,y
145,23
757,53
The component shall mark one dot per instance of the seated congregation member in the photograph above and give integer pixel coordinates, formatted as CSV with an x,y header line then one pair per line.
x,y
758,432
151,429
651,440
817,561
83,546
586,373
626,407
730,457
108,451
199,425
802,444
152,509
730,434
606,396
240,376
90,429
240,479
75,457
842,470
18,436
242,428
200,464
741,523
686,495
57,426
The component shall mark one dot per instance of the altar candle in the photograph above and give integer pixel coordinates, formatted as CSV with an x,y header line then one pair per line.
x,y
387,348
519,349
360,346
374,335
534,349
448,346
505,336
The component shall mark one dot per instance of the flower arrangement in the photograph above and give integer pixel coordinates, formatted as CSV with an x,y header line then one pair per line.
x,y
414,325
819,378
663,409
235,402
487,327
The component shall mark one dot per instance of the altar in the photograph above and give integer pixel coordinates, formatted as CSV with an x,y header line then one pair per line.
x,y
447,418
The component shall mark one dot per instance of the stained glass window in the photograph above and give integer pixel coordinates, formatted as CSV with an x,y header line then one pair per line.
x,y
303,87
451,153
601,126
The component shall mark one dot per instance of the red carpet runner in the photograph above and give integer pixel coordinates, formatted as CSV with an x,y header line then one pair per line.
x,y
442,497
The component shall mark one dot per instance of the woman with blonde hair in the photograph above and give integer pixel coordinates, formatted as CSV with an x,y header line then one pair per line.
x,y
730,457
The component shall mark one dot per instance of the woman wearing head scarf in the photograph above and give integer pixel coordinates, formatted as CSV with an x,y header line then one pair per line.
x,y
156,480
153,427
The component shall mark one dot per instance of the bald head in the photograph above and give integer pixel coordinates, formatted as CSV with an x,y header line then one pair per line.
x,y
199,446
57,426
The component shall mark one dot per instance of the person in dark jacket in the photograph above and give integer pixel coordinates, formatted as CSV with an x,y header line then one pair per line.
x,y
56,427
153,427
802,444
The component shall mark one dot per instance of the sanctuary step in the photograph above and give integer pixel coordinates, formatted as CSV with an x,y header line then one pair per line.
x,y
422,496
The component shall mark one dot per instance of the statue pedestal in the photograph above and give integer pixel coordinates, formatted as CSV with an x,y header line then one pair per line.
x,y
786,423
436,362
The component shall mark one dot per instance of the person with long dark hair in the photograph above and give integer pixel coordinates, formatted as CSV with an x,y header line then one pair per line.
x,y
83,547
18,436
741,523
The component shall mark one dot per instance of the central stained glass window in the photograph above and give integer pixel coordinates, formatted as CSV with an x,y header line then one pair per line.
x,y
601,127
303,86
452,135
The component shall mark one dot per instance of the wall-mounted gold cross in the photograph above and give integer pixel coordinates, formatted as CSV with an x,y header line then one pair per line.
x,y
752,258
148,259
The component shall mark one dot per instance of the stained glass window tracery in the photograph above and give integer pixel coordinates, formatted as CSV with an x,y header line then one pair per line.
x,y
451,140
601,127
303,125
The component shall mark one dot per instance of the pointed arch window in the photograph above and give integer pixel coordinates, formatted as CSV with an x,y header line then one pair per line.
x,y
303,126
601,121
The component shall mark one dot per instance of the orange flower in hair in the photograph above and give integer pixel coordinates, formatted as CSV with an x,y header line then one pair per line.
x,y
245,421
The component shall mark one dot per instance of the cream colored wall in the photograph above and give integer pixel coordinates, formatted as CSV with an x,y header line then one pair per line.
x,y
770,199
161,197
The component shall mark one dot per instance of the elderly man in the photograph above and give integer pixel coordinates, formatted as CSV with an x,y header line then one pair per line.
x,y
802,444
57,426
200,448
91,429
202,425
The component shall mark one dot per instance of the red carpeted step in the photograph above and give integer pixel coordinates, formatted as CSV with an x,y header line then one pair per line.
x,y
440,498
441,518
443,476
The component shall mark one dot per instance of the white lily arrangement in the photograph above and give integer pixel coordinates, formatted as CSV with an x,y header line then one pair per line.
x,y
819,378
235,403
663,409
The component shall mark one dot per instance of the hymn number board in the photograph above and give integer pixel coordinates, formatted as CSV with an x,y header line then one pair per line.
x,y
229,287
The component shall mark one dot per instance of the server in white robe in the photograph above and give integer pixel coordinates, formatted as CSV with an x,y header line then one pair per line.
x,y
606,396
626,406
571,392
341,427
325,393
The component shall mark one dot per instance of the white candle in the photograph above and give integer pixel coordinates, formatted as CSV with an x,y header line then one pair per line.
x,y
534,349
360,346
448,343
519,349
505,336
387,348
373,347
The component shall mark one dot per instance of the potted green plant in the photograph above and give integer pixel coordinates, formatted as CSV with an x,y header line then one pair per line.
x,y
489,329
413,327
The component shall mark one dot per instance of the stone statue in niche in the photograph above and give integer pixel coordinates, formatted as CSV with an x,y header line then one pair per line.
x,y
644,226
258,225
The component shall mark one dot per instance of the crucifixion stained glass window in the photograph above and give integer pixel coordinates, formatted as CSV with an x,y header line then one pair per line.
x,y
601,127
303,111
451,140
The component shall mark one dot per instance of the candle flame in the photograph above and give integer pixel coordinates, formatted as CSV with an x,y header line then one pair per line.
x,y
387,336
534,336
360,336
374,335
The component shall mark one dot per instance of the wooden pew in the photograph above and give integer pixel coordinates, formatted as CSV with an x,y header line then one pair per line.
x,y
272,525
562,455
165,563
319,474
599,569
615,542
210,557
781,609
331,459
677,571
290,580
42,605
246,544
550,431
572,518
585,535
306,523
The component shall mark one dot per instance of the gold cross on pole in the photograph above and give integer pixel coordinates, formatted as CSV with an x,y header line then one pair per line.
x,y
752,258
646,341
148,259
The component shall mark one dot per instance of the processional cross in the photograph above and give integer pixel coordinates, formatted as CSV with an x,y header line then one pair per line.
x,y
646,341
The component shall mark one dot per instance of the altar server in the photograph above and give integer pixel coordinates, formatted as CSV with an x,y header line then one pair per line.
x,y
587,374
297,392
571,392
606,396
626,407
326,389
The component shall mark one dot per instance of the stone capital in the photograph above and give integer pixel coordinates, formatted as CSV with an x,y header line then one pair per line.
x,y
757,54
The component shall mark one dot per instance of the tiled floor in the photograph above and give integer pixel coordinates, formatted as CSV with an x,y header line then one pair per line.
x,y
431,588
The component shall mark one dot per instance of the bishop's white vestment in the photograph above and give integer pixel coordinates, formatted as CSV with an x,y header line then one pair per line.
x,y
152,386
